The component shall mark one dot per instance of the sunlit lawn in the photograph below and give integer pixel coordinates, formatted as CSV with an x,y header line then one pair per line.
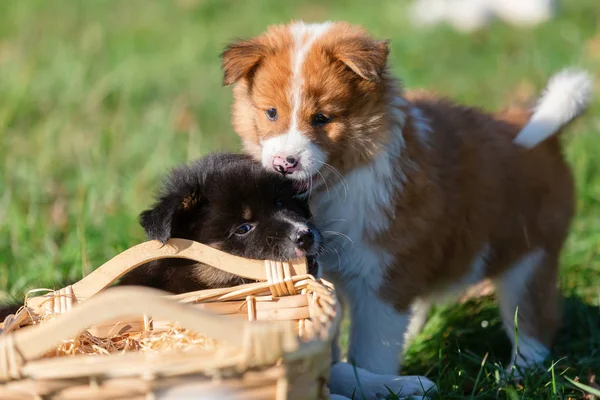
x,y
99,98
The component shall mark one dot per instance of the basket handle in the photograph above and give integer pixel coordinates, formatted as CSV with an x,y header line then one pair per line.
x,y
262,342
152,250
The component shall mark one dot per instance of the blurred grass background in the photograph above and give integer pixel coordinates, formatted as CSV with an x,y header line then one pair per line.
x,y
99,98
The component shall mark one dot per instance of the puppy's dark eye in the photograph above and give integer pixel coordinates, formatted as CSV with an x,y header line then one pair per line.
x,y
278,203
320,119
243,229
271,114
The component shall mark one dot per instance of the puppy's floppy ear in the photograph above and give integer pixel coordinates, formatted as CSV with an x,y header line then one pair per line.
x,y
363,55
158,220
169,215
239,58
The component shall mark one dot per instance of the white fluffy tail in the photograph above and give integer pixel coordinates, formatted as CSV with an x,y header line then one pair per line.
x,y
567,95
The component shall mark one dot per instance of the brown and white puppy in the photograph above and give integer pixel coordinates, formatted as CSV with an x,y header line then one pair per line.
x,y
418,196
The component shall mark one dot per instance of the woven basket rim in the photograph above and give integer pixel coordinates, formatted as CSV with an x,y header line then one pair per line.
x,y
106,274
259,344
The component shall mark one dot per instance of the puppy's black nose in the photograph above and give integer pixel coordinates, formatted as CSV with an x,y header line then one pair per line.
x,y
291,160
305,239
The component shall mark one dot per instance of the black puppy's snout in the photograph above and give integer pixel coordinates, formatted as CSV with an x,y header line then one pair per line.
x,y
305,239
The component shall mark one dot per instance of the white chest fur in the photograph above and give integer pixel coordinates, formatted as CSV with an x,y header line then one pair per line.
x,y
354,209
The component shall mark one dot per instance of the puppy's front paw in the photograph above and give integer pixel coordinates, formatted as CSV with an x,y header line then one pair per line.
x,y
355,382
338,397
404,387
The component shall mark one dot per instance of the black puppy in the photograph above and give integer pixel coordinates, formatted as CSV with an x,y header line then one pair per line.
x,y
229,202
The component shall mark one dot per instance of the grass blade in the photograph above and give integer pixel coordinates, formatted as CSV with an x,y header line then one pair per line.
x,y
584,387
479,375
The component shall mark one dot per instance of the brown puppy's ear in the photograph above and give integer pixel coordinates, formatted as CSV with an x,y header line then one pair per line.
x,y
239,58
363,55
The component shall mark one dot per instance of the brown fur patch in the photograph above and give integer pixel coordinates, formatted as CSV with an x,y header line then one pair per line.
x,y
466,186
247,213
189,201
475,188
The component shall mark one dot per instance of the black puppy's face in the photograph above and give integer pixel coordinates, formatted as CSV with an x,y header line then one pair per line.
x,y
228,201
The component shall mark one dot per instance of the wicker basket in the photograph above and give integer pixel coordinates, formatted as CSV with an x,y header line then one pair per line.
x,y
270,340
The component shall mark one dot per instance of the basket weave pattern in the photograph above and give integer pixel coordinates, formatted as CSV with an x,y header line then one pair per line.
x,y
267,340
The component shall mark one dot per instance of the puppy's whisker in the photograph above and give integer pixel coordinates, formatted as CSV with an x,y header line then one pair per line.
x,y
323,223
340,234
324,181
320,250
327,248
338,257
338,174
277,250
340,178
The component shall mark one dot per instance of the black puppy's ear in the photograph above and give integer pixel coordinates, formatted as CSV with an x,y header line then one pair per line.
x,y
162,221
158,220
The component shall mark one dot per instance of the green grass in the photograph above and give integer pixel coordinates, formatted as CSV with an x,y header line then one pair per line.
x,y
99,98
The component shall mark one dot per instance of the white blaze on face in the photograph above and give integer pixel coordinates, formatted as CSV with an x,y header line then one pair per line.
x,y
294,142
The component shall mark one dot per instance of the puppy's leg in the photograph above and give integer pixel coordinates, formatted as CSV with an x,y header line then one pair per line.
x,y
376,332
336,352
531,285
418,319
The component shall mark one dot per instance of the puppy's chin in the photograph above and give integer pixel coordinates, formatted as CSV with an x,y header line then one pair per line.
x,y
302,188
304,182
